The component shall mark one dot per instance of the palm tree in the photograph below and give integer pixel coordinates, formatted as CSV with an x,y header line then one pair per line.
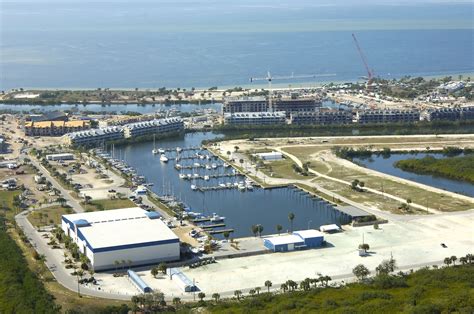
x,y
260,229
470,257
238,294
216,296
116,263
257,289
454,259
279,228
154,271
268,284
252,292
226,235
284,287
291,217
463,260
447,261
201,296
254,230
79,275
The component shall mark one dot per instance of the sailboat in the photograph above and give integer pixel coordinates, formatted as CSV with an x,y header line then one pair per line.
x,y
163,158
154,150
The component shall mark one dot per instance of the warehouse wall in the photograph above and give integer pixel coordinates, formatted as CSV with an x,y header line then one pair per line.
x,y
138,256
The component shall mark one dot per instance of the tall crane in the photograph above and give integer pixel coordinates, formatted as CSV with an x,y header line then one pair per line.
x,y
370,73
269,78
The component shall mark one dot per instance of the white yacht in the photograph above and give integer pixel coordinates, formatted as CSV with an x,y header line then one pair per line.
x,y
206,178
179,149
182,176
213,166
161,151
193,187
208,167
163,158
216,218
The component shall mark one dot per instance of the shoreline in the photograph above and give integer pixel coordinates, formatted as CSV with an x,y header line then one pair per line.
x,y
281,86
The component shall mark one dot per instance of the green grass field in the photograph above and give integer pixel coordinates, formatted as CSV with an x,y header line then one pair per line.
x,y
47,216
108,204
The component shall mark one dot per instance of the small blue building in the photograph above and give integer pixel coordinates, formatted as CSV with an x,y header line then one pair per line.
x,y
283,243
297,240
312,238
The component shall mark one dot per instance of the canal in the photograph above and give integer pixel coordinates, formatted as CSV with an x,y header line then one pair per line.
x,y
386,165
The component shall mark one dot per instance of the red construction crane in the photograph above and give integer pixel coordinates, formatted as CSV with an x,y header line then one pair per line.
x,y
370,73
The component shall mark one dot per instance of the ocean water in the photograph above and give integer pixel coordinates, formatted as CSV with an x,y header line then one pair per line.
x,y
197,43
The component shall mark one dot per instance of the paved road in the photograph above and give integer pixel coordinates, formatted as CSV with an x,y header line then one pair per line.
x,y
54,261
71,201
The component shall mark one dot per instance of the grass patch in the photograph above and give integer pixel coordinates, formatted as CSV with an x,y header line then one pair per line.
x,y
282,169
6,202
108,204
160,205
48,216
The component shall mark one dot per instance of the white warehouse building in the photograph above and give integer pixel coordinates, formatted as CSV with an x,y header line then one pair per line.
x,y
129,234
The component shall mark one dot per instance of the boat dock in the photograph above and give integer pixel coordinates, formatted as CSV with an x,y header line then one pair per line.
x,y
201,166
212,176
212,226
220,231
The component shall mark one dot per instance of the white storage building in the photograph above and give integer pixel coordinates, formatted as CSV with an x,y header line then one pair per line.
x,y
63,156
129,234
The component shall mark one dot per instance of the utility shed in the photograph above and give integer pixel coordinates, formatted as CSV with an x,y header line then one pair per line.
x,y
329,228
138,282
284,243
312,238
270,156
64,156
183,281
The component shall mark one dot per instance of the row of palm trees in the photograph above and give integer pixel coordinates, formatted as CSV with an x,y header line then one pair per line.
x,y
258,228
122,264
468,259
288,286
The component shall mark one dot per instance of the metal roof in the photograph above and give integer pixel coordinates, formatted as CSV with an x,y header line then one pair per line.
x,y
122,228
138,281
285,239
310,233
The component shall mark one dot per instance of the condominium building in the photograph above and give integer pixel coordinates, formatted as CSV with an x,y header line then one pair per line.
x,y
142,128
293,104
449,114
259,118
54,128
261,104
322,117
94,136
245,104
387,116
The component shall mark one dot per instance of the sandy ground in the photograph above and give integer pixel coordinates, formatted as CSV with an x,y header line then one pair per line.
x,y
411,243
